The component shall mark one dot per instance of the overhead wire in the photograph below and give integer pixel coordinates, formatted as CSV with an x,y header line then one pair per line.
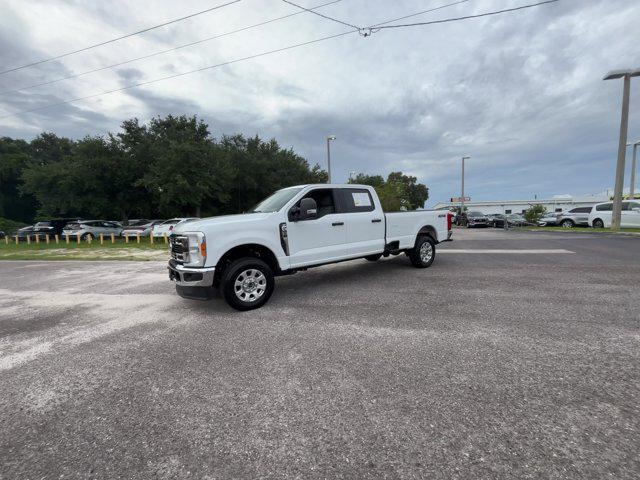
x,y
144,57
261,54
84,49
455,19
321,15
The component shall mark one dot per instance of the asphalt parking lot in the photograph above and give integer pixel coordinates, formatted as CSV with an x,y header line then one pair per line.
x,y
516,355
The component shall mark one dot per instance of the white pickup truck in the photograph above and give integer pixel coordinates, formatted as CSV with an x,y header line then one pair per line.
x,y
294,229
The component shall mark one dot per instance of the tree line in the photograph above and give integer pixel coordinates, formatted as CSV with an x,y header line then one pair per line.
x,y
171,166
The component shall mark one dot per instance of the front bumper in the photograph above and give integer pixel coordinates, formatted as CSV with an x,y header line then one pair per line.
x,y
190,277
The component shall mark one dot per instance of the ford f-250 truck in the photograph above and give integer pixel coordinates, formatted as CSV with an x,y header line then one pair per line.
x,y
294,229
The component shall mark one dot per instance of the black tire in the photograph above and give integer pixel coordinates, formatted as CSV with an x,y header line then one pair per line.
x,y
373,258
597,223
86,236
567,223
415,253
234,272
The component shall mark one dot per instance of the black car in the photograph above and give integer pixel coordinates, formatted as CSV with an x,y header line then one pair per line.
x,y
496,220
51,227
477,219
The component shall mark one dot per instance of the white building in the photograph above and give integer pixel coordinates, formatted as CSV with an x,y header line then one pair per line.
x,y
557,203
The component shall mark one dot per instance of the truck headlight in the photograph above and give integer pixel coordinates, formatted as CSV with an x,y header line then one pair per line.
x,y
197,249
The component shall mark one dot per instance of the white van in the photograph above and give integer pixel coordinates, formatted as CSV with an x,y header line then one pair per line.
x,y
600,216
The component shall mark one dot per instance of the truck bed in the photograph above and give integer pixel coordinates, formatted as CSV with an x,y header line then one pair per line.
x,y
403,226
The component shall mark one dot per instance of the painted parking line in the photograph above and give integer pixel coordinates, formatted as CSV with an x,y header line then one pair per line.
x,y
514,251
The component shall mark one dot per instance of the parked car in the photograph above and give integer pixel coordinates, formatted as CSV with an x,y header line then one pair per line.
x,y
2,234
24,232
517,220
477,219
51,227
549,219
495,220
142,229
167,226
578,216
92,228
601,214
294,229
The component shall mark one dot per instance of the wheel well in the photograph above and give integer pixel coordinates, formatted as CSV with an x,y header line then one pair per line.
x,y
566,220
429,231
246,250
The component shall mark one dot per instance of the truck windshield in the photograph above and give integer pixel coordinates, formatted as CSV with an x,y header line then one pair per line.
x,y
276,201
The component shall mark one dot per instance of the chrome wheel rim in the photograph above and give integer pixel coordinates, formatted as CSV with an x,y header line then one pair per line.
x,y
250,285
426,252
567,224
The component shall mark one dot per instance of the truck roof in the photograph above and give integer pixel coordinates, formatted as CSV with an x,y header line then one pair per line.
x,y
332,185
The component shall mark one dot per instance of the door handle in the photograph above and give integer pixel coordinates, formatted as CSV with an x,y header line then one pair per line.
x,y
376,220
337,224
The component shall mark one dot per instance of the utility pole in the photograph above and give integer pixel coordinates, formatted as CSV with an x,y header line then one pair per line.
x,y
329,138
466,157
622,143
632,187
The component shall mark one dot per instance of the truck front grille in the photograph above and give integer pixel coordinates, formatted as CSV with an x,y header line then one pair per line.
x,y
179,247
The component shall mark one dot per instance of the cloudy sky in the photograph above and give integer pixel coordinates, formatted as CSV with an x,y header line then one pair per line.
x,y
521,92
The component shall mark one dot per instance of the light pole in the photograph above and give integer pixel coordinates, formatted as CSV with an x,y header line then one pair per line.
x,y
632,187
329,138
466,157
622,144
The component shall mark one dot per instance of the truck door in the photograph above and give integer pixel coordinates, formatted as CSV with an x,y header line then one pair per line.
x,y
364,222
321,239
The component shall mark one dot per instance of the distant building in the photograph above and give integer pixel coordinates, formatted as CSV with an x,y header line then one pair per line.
x,y
557,203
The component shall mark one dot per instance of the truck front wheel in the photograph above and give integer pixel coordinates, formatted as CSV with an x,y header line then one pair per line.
x,y
247,283
424,252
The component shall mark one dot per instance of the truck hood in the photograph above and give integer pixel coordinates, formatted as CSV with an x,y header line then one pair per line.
x,y
222,220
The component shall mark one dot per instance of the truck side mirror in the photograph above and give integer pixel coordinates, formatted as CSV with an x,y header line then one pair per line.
x,y
308,209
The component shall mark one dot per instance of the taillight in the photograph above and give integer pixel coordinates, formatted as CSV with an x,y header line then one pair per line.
x,y
449,220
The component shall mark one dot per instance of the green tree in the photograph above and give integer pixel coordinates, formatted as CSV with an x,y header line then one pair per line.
x,y
534,213
186,171
15,157
397,192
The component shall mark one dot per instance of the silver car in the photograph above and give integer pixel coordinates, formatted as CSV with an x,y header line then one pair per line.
x,y
91,229
576,217
143,228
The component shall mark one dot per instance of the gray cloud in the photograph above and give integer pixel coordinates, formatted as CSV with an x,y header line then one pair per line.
x,y
522,93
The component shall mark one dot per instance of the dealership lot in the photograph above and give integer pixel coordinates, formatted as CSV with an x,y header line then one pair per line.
x,y
491,363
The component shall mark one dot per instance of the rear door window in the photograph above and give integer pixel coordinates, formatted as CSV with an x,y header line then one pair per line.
x,y
606,207
353,200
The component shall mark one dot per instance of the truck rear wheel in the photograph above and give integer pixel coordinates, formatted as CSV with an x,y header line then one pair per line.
x,y
247,283
424,252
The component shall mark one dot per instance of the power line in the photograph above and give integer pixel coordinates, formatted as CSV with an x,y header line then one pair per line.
x,y
148,82
420,13
269,52
446,20
118,38
144,57
321,15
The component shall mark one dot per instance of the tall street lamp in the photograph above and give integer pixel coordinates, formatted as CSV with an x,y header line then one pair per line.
x,y
632,187
466,157
622,144
329,138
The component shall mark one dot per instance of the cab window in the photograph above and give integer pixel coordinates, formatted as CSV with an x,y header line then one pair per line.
x,y
325,200
356,200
